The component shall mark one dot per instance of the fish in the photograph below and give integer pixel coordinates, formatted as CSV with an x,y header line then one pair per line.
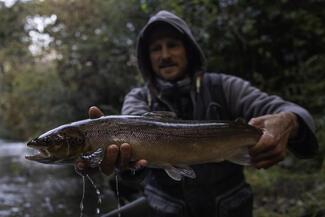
x,y
158,137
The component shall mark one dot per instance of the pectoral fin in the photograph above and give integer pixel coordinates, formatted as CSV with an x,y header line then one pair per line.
x,y
94,158
177,173
241,157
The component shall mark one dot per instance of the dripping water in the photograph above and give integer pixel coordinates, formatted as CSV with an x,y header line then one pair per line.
x,y
117,195
83,196
98,194
94,159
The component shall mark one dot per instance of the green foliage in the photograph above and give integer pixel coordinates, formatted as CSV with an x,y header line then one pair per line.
x,y
282,192
33,100
277,45
97,60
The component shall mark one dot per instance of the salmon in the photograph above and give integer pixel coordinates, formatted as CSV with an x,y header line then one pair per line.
x,y
164,141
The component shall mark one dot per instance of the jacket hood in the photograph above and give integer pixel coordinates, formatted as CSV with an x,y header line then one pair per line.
x,y
197,59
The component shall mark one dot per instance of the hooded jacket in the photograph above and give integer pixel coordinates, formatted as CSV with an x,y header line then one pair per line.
x,y
166,18
219,188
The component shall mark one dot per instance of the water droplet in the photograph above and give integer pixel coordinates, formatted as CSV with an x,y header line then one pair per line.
x,y
99,200
117,195
83,196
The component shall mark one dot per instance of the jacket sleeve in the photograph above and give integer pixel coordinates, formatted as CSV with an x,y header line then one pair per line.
x,y
135,102
244,100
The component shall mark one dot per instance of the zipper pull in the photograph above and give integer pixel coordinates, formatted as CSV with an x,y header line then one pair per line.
x,y
198,84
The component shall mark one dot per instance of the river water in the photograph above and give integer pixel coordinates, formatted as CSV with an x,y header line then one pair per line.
x,y
30,189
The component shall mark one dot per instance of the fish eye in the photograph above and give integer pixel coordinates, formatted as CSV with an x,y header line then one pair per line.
x,y
46,140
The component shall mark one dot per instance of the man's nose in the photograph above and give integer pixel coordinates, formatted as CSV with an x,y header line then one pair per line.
x,y
165,52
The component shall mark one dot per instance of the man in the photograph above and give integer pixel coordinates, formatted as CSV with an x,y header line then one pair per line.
x,y
172,64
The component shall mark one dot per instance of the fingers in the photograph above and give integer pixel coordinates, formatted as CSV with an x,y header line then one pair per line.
x,y
110,158
95,112
258,122
266,142
272,146
119,157
82,167
141,163
268,151
268,162
269,157
270,154
125,158
114,157
126,152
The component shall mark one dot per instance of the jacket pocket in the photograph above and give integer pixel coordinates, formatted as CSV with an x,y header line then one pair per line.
x,y
236,202
213,111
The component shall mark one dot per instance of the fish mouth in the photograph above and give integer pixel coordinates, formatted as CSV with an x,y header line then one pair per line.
x,y
40,155
37,153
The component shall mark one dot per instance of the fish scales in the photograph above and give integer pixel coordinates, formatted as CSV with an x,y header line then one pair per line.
x,y
151,138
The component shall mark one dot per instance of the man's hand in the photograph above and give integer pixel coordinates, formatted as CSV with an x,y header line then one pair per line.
x,y
272,146
114,156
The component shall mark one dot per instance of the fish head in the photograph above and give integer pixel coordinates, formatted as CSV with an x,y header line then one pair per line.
x,y
58,146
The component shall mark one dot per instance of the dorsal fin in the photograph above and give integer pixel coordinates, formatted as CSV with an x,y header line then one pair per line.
x,y
161,115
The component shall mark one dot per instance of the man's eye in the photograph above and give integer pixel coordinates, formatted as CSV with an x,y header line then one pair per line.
x,y
154,48
173,44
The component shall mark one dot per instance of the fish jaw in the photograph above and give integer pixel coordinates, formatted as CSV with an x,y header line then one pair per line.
x,y
42,154
62,145
41,158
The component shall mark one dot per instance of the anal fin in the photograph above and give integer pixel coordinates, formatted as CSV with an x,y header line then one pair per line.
x,y
177,173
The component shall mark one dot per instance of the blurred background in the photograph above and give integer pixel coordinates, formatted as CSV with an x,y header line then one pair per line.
x,y
59,57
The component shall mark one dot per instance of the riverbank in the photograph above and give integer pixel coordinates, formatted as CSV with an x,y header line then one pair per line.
x,y
29,189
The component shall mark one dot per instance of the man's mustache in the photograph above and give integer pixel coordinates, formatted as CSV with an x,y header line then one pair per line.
x,y
167,63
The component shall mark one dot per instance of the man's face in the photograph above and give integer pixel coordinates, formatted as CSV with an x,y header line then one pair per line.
x,y
168,55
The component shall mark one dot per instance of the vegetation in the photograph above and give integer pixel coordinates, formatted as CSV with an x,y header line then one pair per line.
x,y
83,54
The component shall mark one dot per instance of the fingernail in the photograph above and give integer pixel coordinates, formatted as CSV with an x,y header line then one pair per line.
x,y
113,150
80,166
